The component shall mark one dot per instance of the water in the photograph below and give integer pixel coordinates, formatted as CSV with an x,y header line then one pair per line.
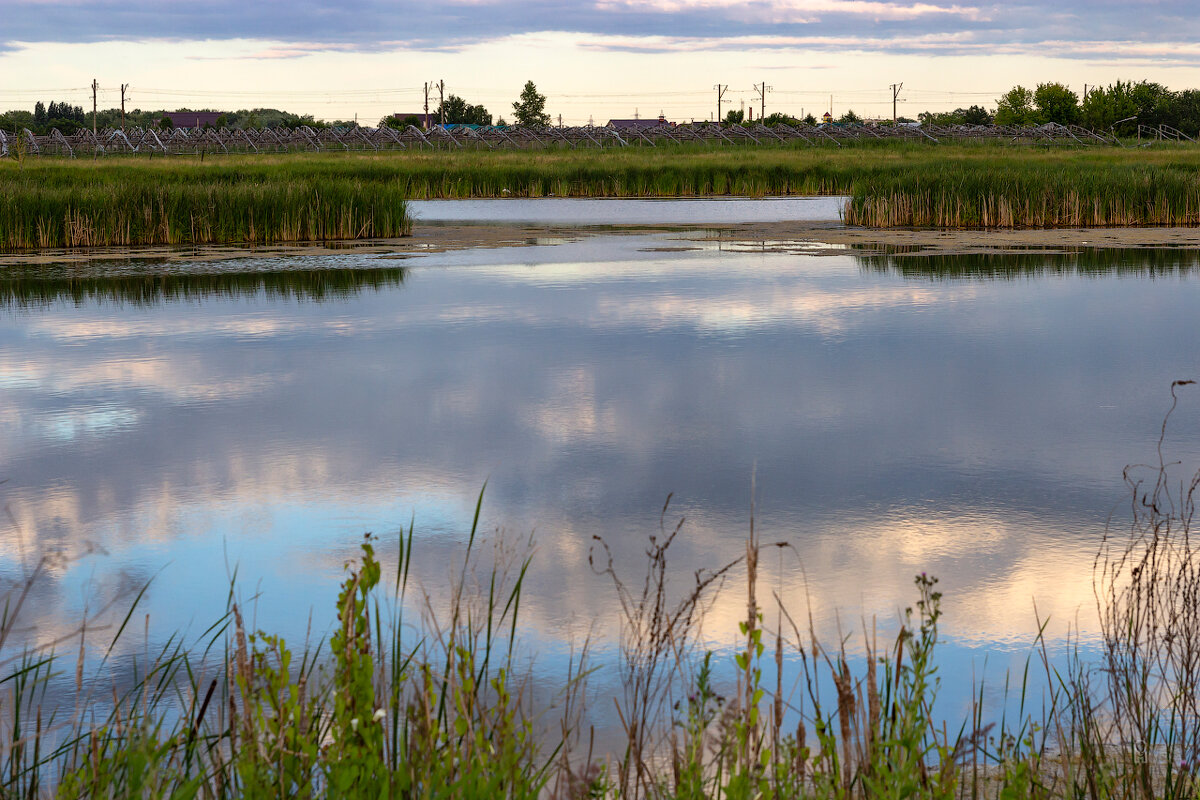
x,y
261,417
605,211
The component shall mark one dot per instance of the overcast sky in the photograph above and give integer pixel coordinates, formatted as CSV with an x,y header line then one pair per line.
x,y
593,58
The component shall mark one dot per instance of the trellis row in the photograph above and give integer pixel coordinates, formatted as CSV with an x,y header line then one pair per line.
x,y
182,141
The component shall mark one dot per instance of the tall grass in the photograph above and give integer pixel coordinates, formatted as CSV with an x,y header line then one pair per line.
x,y
1015,193
305,196
80,205
410,704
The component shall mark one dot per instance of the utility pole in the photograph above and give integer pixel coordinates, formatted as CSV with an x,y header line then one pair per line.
x,y
441,85
721,90
761,89
896,87
95,86
124,86
426,105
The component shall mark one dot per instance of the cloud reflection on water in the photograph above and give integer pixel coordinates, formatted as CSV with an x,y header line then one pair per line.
x,y
971,428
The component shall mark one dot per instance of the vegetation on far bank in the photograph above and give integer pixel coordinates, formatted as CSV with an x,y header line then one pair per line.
x,y
48,203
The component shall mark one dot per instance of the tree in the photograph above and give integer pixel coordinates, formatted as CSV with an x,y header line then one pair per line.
x,y
779,119
1016,107
850,118
531,108
39,113
460,112
165,123
976,115
809,119
734,117
1056,103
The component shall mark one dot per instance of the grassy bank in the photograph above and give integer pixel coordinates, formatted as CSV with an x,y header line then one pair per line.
x,y
416,698
314,197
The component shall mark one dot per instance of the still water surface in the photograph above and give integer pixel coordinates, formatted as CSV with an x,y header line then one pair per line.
x,y
968,418
628,211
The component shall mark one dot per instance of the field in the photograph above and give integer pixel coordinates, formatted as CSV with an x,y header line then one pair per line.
x,y
322,197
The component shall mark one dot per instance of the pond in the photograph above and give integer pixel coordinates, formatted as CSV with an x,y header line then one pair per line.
x,y
886,415
625,211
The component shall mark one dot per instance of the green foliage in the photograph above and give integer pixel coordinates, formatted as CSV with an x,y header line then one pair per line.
x,y
459,112
1016,107
734,116
975,115
779,119
530,109
907,760
1056,103
354,760
849,118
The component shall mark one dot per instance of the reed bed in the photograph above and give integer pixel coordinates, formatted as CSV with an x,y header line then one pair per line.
x,y
411,703
961,194
328,196
80,206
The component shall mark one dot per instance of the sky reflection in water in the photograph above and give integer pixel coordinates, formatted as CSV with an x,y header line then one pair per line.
x,y
971,424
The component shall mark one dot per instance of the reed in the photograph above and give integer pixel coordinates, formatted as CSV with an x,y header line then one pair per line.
x,y
79,206
326,196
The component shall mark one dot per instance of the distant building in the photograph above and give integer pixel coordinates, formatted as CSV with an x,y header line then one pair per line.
x,y
418,115
194,119
638,124
827,118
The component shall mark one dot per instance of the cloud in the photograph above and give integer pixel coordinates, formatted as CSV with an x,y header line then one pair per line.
x,y
1161,31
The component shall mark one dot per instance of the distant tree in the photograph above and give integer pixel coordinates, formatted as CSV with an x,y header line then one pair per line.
x,y
809,119
500,122
39,113
1056,103
905,119
779,119
976,115
531,108
165,123
460,112
1016,107
734,116
850,118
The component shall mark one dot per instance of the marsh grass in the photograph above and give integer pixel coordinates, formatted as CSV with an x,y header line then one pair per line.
x,y
68,205
324,197
414,698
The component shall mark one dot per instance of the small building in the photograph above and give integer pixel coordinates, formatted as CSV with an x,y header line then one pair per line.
x,y
194,119
827,118
638,124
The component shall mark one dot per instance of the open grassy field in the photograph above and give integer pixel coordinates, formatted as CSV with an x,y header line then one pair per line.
x,y
328,196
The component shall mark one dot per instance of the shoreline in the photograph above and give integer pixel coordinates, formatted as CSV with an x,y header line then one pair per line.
x,y
785,236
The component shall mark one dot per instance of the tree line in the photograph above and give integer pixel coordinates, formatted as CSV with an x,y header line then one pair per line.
x,y
1119,108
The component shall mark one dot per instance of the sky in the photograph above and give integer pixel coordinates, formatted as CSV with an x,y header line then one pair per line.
x,y
593,59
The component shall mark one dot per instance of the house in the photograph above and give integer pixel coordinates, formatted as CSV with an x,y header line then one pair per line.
x,y
194,119
638,124
827,118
